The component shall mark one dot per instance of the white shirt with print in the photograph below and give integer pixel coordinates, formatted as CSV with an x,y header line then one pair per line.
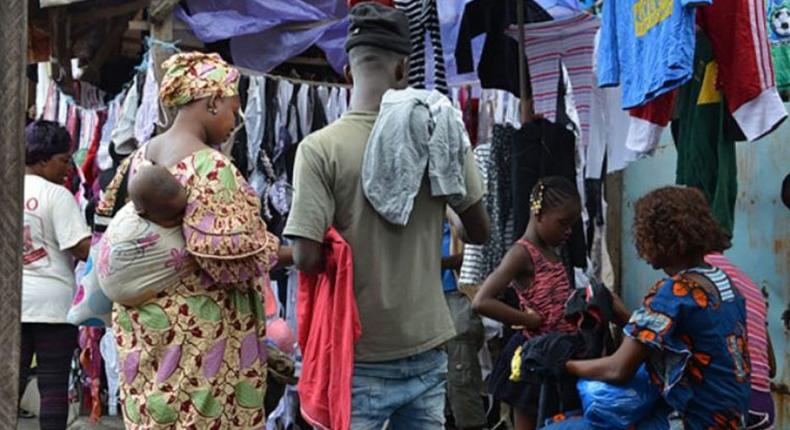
x,y
53,224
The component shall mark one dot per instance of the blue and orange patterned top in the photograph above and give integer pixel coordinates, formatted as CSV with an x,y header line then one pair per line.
x,y
697,337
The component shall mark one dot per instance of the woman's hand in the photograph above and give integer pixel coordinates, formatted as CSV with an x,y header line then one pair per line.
x,y
532,319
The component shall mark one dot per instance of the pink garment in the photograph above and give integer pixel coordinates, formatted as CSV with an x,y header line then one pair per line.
x,y
548,293
328,322
756,313
550,45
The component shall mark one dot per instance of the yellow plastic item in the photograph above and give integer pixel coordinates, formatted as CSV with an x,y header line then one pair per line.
x,y
515,366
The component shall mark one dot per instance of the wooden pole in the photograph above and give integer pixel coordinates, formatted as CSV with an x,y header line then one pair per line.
x,y
522,63
613,193
13,98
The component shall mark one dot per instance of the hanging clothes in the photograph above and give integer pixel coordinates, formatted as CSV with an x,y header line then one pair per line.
x,y
255,117
148,112
746,71
42,88
648,57
499,58
538,149
737,33
494,162
473,267
779,36
123,131
608,130
647,123
279,113
450,16
103,158
560,9
424,28
705,143
551,45
470,108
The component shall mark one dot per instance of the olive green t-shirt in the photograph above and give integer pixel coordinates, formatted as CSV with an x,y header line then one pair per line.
x,y
397,269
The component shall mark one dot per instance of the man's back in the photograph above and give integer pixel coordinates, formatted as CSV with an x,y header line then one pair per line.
x,y
397,279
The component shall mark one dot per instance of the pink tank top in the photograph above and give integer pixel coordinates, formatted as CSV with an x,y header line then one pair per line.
x,y
548,293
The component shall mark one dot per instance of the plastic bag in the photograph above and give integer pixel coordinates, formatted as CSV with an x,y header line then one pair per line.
x,y
571,424
608,406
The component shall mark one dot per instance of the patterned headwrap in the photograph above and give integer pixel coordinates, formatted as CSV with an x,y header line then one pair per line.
x,y
193,76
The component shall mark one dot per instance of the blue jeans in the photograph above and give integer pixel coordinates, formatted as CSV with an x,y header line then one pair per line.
x,y
408,392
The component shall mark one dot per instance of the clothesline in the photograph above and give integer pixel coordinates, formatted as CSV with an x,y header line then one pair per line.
x,y
251,73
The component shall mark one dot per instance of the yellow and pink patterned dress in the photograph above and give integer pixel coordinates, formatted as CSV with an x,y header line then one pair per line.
x,y
194,357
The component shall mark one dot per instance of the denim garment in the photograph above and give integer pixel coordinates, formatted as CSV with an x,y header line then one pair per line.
x,y
409,392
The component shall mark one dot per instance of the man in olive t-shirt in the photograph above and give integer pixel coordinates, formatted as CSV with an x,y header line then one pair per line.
x,y
397,283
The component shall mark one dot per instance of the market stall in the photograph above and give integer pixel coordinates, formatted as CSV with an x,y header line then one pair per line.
x,y
544,88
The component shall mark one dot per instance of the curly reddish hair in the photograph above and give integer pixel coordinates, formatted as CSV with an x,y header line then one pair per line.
x,y
675,224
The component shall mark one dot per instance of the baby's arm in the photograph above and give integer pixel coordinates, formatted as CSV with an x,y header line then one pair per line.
x,y
516,262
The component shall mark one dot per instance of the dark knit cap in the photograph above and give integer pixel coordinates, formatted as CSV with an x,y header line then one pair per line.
x,y
377,25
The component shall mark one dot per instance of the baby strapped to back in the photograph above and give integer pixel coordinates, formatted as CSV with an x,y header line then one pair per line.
x,y
143,251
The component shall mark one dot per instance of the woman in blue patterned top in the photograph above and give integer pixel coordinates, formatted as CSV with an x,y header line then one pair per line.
x,y
691,327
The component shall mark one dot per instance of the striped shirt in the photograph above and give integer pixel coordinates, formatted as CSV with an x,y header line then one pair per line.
x,y
552,44
756,313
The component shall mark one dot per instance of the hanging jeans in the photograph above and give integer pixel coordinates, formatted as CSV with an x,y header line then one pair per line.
x,y
540,149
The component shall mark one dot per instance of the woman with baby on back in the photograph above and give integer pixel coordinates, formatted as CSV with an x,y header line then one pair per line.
x,y
533,268
192,356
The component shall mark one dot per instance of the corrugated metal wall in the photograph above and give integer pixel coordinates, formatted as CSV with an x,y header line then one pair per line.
x,y
761,243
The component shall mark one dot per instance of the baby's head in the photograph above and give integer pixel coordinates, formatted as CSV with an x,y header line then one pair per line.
x,y
674,226
158,196
555,206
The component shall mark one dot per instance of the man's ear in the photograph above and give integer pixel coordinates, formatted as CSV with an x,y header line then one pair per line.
x,y
402,69
348,75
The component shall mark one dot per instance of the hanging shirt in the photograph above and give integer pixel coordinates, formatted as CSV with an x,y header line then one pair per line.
x,y
647,47
499,55
608,130
705,143
779,36
53,224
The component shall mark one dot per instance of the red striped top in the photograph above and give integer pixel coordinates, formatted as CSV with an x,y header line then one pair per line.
x,y
756,313
548,293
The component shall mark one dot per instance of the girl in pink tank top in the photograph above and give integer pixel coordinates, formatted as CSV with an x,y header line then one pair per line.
x,y
533,268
